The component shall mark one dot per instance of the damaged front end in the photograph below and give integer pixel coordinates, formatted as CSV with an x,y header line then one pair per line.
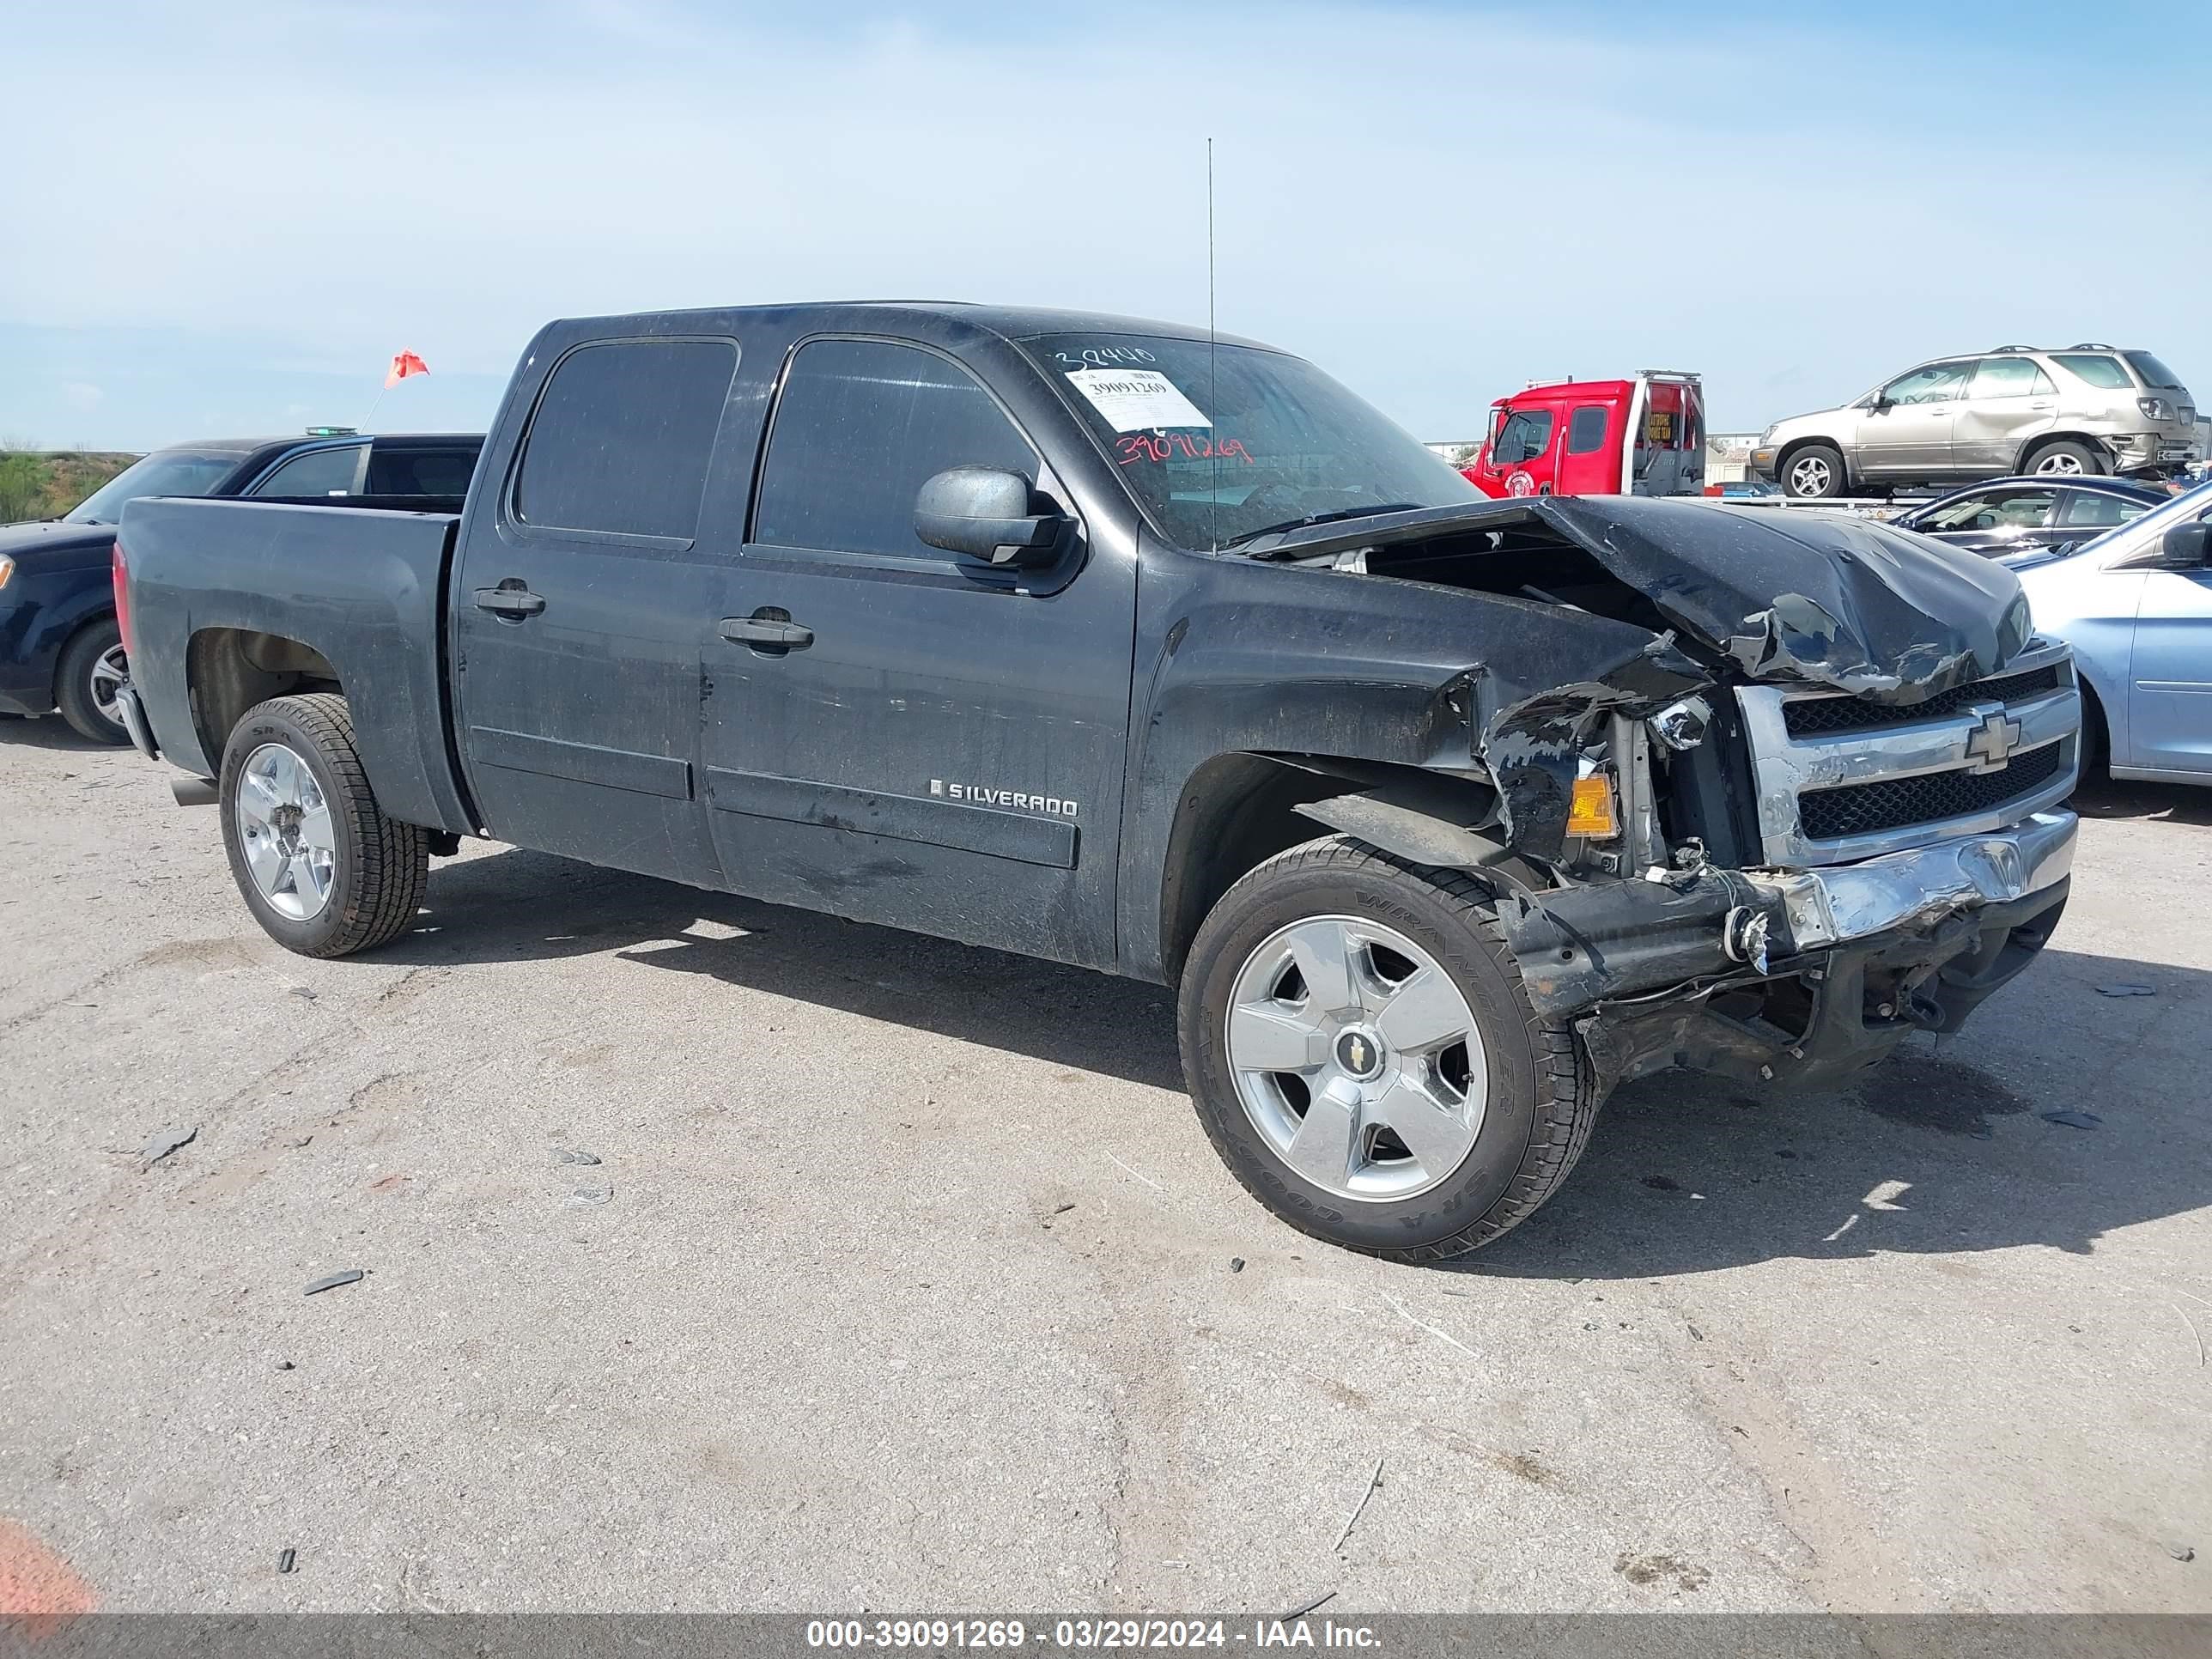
x,y
1818,810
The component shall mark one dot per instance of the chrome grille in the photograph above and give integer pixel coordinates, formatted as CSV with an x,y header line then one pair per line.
x,y
1839,778
1861,809
1806,716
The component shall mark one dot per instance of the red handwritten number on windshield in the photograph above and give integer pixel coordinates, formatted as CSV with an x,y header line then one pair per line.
x,y
1167,447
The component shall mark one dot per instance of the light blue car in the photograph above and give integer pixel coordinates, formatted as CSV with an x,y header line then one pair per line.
x,y
2136,603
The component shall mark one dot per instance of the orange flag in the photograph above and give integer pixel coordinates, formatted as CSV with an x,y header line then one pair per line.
x,y
404,364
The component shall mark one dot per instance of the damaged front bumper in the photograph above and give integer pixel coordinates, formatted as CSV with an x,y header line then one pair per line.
x,y
1807,975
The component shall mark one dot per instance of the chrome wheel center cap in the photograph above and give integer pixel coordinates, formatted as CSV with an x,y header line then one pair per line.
x,y
1360,1052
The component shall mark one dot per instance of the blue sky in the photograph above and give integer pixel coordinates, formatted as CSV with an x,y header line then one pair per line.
x,y
226,219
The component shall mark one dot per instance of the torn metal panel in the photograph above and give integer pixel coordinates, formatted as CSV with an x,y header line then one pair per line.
x,y
1578,945
1408,831
1533,746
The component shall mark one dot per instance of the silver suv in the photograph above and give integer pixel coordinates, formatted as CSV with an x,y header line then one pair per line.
x,y
2077,410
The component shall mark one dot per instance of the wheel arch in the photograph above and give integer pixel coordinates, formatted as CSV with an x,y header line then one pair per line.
x,y
1240,809
70,632
2043,440
229,671
2095,748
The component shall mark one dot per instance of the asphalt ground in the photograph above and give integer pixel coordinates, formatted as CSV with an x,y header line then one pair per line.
x,y
906,1281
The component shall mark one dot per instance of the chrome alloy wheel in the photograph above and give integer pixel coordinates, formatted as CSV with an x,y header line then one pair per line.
x,y
284,825
2060,465
107,677
1356,1058
1810,475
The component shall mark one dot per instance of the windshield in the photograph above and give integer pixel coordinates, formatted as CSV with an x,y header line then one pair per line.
x,y
166,473
1217,452
2155,375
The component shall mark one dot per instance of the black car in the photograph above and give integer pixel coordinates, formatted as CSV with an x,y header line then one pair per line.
x,y
59,644
2008,515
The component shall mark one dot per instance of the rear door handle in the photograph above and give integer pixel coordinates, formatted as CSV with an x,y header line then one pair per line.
x,y
775,632
516,602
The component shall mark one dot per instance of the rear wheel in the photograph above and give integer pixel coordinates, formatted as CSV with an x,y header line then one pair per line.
x,y
91,669
1815,472
2065,458
324,873
1363,1058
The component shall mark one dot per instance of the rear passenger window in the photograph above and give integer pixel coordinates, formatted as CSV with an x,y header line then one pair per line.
x,y
1586,430
2085,511
419,472
623,434
318,472
2096,368
861,425
2010,377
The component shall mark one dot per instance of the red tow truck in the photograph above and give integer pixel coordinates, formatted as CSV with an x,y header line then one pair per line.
x,y
1641,436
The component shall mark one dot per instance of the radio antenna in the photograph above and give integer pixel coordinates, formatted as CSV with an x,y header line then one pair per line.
x,y
1213,397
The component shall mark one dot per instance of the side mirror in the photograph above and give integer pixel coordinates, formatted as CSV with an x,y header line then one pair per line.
x,y
2186,547
1879,404
985,513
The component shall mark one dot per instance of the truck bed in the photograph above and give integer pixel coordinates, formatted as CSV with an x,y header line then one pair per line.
x,y
363,583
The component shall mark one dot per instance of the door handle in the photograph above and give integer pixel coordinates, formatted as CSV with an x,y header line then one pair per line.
x,y
514,601
776,632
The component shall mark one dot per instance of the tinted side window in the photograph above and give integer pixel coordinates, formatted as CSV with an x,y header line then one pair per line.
x,y
1997,509
2010,377
1586,430
419,472
2098,511
622,436
1528,434
2096,368
318,472
861,426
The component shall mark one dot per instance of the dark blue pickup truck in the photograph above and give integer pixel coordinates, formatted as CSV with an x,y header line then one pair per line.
x,y
1103,641
59,644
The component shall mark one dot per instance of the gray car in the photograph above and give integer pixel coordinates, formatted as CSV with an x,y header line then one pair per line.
x,y
2071,411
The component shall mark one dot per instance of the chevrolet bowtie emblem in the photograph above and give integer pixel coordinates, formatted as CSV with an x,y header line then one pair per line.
x,y
1359,1055
1990,744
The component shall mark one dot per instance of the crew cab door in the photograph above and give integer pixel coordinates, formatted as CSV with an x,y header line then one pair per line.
x,y
1910,438
577,604
891,732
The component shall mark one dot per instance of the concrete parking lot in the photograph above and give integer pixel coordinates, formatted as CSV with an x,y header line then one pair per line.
x,y
906,1281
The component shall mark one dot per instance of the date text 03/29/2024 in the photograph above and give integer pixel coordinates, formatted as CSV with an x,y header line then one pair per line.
x,y
1086,1634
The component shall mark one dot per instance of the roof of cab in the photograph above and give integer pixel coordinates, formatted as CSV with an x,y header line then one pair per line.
x,y
921,317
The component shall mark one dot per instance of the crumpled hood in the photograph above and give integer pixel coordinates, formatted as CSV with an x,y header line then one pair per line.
x,y
53,545
1791,596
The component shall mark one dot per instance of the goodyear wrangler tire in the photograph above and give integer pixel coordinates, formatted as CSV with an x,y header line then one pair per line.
x,y
324,871
1363,1056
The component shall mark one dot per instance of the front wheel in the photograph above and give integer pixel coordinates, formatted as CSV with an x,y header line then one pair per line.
x,y
1815,473
1363,1058
324,873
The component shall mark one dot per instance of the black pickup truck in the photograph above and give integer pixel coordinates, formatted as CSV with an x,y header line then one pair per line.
x,y
1100,640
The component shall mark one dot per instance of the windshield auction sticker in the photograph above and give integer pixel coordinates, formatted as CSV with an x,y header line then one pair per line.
x,y
1137,399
